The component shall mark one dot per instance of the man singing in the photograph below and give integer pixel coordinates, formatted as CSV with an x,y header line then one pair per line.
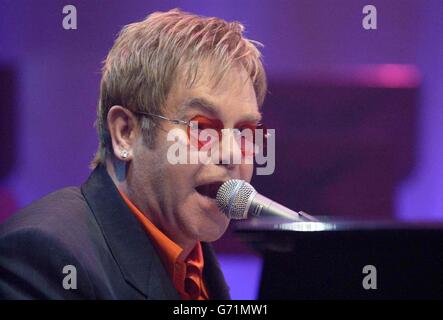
x,y
140,227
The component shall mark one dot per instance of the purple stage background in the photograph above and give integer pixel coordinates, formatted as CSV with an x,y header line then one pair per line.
x,y
57,75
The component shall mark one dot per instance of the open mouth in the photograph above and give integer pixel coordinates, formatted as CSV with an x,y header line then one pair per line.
x,y
209,190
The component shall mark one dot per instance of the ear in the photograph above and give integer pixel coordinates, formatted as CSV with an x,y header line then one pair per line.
x,y
124,131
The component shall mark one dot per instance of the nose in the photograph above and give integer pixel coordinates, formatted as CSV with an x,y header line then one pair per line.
x,y
230,155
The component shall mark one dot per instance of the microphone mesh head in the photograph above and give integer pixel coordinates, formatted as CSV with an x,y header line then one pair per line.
x,y
232,198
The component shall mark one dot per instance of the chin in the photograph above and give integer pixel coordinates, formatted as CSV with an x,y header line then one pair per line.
x,y
214,231
205,221
211,238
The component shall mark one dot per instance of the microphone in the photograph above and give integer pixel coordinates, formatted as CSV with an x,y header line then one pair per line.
x,y
238,200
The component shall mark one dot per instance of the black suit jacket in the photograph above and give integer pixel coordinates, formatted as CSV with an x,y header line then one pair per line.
x,y
92,229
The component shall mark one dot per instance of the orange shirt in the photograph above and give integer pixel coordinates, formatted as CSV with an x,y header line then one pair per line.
x,y
187,276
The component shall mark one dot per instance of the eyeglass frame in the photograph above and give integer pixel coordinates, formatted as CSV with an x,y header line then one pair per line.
x,y
177,121
174,121
189,123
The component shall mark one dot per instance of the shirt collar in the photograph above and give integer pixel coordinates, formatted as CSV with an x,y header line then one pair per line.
x,y
169,251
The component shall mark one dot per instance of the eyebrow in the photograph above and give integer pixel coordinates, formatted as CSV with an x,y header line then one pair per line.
x,y
210,108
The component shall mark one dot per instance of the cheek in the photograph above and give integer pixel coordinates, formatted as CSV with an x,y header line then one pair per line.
x,y
246,172
180,173
181,176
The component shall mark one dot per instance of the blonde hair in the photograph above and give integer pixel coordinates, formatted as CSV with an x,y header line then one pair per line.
x,y
146,57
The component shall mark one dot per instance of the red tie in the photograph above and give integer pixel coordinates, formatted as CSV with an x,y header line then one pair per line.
x,y
192,281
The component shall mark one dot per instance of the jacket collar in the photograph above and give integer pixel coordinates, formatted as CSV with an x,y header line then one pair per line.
x,y
128,242
213,275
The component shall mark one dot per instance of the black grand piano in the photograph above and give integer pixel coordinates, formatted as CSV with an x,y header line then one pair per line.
x,y
347,260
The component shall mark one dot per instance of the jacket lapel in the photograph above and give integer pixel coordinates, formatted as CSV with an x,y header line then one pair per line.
x,y
213,275
127,240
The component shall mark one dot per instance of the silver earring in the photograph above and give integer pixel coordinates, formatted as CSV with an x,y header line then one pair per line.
x,y
124,154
